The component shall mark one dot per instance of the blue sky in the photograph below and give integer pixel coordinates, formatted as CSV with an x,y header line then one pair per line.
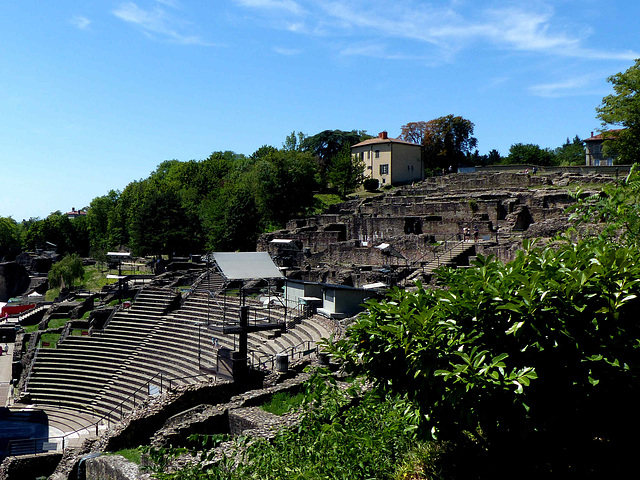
x,y
97,93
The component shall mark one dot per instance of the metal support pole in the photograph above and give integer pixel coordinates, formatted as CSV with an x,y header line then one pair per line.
x,y
244,323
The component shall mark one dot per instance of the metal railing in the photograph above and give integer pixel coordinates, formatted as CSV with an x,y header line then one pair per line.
x,y
30,445
260,361
439,250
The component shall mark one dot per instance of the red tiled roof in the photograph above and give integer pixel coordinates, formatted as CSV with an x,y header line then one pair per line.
x,y
599,137
378,140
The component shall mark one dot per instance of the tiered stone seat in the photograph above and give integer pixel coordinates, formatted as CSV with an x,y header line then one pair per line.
x,y
81,368
144,343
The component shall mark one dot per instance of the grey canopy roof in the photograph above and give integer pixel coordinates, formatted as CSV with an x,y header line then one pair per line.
x,y
246,265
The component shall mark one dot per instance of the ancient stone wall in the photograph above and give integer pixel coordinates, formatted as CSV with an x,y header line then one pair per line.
x,y
29,466
113,467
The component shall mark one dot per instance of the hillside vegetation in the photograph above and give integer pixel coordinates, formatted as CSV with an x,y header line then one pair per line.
x,y
530,367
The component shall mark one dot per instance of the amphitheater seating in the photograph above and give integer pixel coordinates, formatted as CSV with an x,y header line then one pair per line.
x,y
114,367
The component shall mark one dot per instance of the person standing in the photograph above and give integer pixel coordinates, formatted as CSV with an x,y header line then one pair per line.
x,y
475,233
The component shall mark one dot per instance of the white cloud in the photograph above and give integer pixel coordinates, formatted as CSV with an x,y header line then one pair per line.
x,y
157,22
81,22
169,3
443,28
288,6
582,85
288,52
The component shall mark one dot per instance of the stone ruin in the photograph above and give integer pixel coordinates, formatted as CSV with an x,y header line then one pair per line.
x,y
338,246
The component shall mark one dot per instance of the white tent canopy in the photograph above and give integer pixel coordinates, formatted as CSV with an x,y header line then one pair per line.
x,y
246,265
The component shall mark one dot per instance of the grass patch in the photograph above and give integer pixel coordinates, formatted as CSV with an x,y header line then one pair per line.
x,y
115,301
30,328
131,454
51,338
322,201
76,332
57,322
283,402
52,294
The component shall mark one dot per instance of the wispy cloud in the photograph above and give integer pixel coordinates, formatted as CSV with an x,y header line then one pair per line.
x,y
441,29
533,31
288,6
80,22
289,52
156,22
582,85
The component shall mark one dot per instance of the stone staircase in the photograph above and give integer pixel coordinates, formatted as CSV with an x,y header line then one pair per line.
x,y
446,257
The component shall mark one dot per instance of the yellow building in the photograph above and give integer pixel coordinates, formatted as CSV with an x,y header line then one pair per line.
x,y
390,160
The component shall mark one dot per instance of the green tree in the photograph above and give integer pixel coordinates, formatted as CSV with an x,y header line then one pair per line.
x,y
232,221
326,145
57,229
283,183
66,271
294,141
622,109
446,141
539,355
414,132
158,221
493,157
529,154
570,153
613,214
11,234
346,173
100,219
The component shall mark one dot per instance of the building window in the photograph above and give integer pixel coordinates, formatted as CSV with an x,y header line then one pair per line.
x,y
377,154
384,169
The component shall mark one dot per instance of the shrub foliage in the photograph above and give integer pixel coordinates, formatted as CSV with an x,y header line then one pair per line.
x,y
542,351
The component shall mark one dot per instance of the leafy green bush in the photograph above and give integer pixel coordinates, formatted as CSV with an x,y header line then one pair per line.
x,y
371,184
353,435
541,353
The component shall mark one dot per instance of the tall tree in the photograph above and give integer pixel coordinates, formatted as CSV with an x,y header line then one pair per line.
x,y
622,109
493,157
446,141
283,183
101,211
570,153
328,144
56,229
346,172
158,223
231,218
529,153
414,132
294,141
10,238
